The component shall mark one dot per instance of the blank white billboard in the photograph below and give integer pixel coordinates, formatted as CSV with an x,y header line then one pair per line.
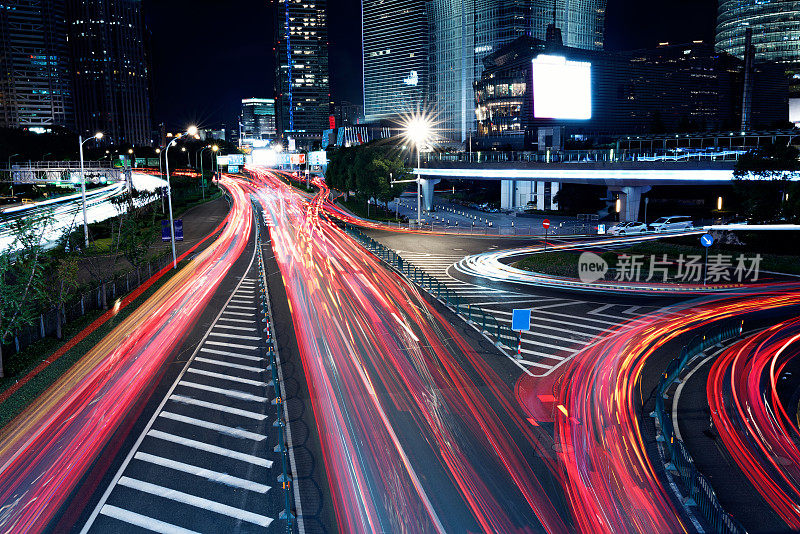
x,y
562,89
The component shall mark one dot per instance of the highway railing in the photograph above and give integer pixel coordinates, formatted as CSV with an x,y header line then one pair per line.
x,y
484,321
285,478
87,300
696,487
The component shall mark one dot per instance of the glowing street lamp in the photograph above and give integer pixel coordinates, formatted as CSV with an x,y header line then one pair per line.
x,y
192,130
81,141
418,130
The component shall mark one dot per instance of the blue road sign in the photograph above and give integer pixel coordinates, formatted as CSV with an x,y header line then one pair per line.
x,y
178,229
521,320
706,240
165,234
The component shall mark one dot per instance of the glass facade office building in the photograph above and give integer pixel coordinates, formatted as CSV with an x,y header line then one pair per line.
x,y
303,93
775,24
35,87
258,118
463,32
110,69
395,54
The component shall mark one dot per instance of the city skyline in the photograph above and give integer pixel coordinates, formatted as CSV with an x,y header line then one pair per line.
x,y
241,44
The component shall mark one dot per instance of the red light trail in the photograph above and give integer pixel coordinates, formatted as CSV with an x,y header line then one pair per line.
x,y
752,420
52,445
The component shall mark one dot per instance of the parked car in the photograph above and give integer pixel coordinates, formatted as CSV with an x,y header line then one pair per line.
x,y
671,224
628,228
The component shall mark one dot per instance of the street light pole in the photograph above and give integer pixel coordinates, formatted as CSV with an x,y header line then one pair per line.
x,y
190,132
419,191
81,142
169,201
11,173
202,172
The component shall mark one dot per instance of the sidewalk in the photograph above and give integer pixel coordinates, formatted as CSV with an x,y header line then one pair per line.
x,y
198,222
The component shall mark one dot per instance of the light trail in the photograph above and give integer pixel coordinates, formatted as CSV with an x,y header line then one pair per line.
x,y
609,478
47,450
65,213
753,421
418,432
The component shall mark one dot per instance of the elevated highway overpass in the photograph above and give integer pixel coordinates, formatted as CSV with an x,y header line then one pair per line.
x,y
523,180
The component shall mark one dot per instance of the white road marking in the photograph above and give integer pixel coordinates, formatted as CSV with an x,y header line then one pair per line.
x,y
182,399
231,345
222,429
241,301
237,336
245,321
235,327
138,520
232,354
208,474
231,378
228,364
240,314
193,500
213,449
601,309
534,364
241,307
232,393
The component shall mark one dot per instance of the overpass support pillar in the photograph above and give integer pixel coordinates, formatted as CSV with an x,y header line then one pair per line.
x,y
427,185
630,199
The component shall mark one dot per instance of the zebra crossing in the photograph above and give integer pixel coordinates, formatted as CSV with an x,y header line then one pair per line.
x,y
560,327
438,266
204,462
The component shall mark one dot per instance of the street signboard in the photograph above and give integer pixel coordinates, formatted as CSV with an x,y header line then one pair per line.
x,y
601,229
521,320
165,233
233,168
178,229
546,223
236,159
706,240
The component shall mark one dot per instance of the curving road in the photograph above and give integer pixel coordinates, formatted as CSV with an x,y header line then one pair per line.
x,y
47,450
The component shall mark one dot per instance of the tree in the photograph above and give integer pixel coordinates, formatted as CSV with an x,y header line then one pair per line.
x,y
61,284
762,183
21,275
137,227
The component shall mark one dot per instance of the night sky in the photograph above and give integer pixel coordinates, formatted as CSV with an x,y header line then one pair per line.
x,y
208,55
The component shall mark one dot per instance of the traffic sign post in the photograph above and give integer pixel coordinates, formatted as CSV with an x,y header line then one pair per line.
x,y
520,320
546,224
706,240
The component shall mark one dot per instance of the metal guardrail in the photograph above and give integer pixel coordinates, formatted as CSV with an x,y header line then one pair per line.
x,y
697,488
582,156
284,478
486,322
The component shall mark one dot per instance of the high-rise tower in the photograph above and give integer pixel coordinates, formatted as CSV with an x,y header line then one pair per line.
x,y
395,50
463,32
110,69
35,88
303,93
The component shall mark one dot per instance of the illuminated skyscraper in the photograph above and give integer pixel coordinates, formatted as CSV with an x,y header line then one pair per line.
x,y
34,66
110,69
775,24
395,49
258,118
463,32
303,93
